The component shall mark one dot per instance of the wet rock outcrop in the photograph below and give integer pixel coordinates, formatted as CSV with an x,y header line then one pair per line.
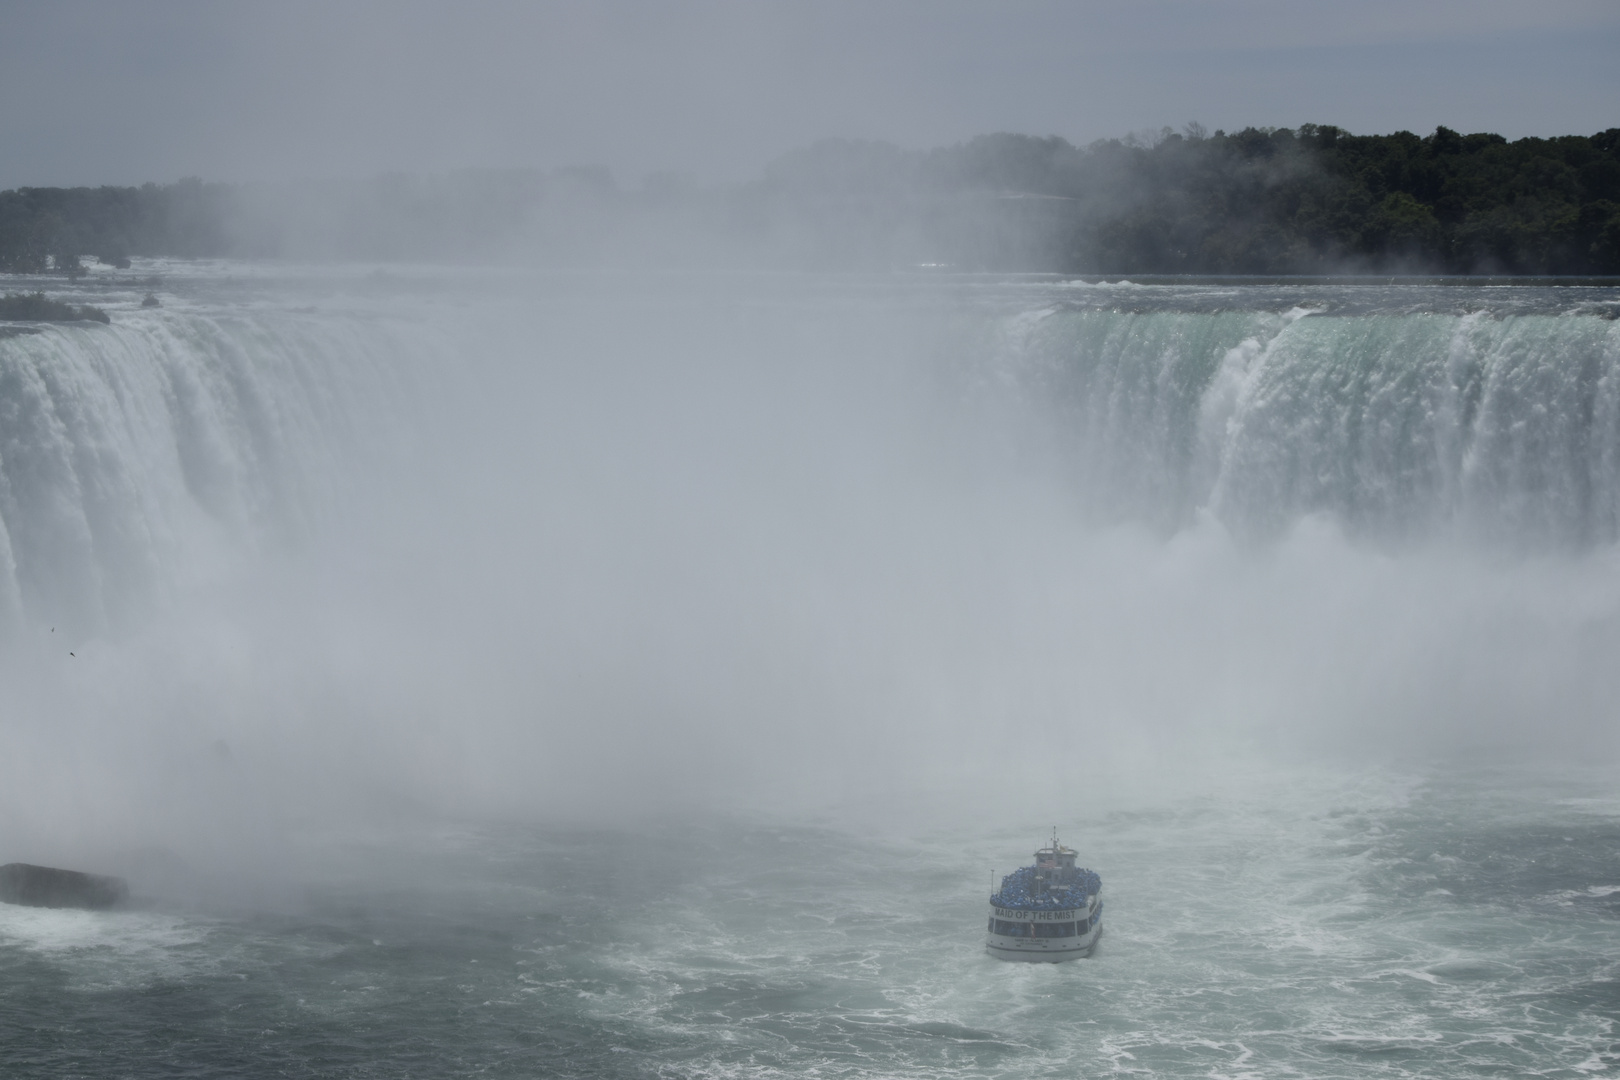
x,y
47,886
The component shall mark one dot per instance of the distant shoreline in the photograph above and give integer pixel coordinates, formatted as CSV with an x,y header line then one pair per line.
x,y
1261,203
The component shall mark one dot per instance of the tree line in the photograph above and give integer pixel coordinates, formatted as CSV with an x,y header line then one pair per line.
x,y
44,228
1310,200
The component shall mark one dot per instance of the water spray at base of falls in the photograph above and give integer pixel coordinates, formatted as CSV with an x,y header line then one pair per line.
x,y
602,551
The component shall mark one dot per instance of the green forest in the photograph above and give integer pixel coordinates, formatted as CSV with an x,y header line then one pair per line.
x,y
1316,200
1311,200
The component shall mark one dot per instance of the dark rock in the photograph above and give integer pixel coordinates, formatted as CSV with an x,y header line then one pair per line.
x,y
46,886
37,307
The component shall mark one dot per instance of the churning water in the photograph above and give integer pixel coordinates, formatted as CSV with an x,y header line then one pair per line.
x,y
1332,925
605,676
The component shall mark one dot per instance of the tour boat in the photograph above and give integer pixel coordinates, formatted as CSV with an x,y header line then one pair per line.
x,y
1047,912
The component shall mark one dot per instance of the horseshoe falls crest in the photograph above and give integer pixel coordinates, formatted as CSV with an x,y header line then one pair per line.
x,y
1396,425
609,675
127,448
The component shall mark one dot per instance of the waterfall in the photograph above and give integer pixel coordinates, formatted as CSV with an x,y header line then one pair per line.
x,y
449,541
1392,424
135,454
132,455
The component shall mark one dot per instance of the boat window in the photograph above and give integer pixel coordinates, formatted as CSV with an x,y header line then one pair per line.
x,y
992,924
1054,929
1007,928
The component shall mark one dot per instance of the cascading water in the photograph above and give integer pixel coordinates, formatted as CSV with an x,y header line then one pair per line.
x,y
1396,424
132,454
121,445
613,677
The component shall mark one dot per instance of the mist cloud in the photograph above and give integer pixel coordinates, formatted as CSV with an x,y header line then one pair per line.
x,y
664,547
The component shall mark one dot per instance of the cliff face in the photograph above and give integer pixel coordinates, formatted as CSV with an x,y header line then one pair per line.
x,y
46,886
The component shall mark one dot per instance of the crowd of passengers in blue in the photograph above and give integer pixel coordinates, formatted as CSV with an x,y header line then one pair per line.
x,y
1017,891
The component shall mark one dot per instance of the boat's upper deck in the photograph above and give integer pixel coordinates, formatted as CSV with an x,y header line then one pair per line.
x,y
1054,883
1033,888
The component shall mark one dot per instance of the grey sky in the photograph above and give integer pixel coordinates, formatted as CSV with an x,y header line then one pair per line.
x,y
121,92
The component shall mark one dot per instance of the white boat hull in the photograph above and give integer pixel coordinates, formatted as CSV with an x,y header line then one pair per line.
x,y
1045,952
1044,936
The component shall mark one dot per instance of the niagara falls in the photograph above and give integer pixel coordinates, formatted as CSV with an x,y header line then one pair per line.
x,y
596,541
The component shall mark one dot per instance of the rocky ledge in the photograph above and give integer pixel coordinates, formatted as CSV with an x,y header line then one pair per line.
x,y
46,886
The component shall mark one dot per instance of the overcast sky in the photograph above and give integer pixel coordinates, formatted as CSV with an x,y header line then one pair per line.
x,y
123,91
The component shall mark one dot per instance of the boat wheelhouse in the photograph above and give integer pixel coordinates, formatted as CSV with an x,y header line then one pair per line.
x,y
1047,912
